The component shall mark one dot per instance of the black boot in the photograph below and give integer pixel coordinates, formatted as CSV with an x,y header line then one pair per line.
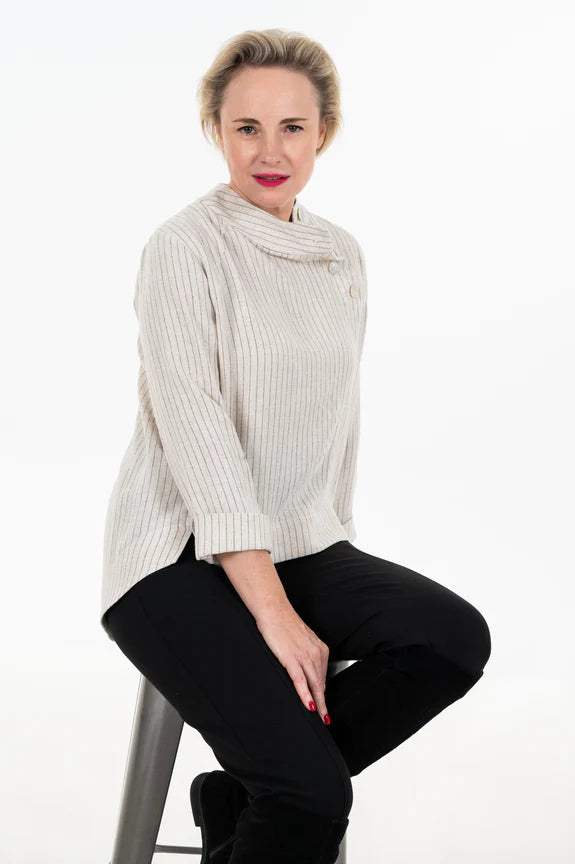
x,y
217,801
272,832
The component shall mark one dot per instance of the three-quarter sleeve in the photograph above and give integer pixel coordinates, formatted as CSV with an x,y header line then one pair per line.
x,y
178,350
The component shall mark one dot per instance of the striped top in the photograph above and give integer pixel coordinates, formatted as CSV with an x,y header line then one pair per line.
x,y
251,331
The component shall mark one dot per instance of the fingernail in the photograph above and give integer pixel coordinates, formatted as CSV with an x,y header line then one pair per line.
x,y
326,720
312,706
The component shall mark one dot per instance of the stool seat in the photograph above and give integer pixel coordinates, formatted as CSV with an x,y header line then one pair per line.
x,y
154,741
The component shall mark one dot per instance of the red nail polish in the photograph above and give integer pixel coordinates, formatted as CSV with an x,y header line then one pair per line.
x,y
326,720
312,706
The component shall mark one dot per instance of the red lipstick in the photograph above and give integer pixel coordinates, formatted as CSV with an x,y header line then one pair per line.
x,y
270,179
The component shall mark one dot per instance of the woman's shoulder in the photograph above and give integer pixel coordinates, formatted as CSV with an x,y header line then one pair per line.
x,y
190,225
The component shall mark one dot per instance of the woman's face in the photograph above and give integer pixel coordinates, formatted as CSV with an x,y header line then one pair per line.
x,y
270,124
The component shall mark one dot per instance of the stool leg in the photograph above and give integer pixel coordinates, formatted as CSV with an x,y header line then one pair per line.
x,y
154,742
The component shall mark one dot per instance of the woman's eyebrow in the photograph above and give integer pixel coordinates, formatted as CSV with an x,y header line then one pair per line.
x,y
257,122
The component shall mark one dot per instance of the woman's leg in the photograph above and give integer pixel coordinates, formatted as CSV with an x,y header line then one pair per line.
x,y
190,634
418,645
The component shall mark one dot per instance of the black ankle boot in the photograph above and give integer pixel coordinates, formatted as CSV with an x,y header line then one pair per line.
x,y
271,832
217,801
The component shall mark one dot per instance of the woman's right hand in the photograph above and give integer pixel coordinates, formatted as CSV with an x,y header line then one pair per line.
x,y
300,651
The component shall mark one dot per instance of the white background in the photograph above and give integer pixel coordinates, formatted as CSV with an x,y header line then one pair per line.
x,y
455,171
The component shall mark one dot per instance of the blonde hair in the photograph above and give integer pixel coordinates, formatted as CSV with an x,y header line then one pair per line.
x,y
274,47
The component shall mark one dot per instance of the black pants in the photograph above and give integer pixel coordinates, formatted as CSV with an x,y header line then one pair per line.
x,y
418,646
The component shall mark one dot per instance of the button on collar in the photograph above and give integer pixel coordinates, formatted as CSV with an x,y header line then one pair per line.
x,y
333,267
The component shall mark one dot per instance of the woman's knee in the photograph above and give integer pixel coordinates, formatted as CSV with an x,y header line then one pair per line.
x,y
319,784
466,636
482,640
334,795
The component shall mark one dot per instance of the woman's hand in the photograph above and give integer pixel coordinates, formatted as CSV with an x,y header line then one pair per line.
x,y
300,651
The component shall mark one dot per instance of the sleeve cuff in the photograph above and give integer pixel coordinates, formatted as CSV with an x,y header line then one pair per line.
x,y
230,532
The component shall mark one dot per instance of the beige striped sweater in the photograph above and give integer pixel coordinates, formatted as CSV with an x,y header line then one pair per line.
x,y
251,331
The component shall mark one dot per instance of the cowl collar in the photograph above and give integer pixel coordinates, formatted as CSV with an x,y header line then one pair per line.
x,y
304,239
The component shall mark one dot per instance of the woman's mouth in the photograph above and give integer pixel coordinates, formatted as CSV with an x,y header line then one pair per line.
x,y
270,179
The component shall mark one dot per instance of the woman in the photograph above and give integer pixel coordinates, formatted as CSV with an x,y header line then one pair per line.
x,y
230,575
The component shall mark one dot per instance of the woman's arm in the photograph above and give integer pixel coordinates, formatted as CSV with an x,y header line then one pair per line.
x,y
178,346
300,651
255,578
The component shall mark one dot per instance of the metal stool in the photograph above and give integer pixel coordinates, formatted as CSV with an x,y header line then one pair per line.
x,y
154,742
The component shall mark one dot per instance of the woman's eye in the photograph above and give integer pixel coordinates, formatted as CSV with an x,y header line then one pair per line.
x,y
289,126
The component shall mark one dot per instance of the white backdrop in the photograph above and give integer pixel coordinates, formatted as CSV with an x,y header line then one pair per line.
x,y
453,171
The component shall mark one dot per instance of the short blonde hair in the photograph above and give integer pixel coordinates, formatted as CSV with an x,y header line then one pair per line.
x,y
274,47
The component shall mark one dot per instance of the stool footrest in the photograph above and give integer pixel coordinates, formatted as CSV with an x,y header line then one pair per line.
x,y
185,850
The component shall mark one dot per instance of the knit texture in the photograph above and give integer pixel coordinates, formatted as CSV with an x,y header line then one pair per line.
x,y
251,332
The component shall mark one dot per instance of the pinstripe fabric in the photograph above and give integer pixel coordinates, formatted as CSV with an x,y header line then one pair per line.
x,y
247,430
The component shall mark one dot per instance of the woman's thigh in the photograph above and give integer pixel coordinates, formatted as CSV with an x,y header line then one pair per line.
x,y
360,604
190,634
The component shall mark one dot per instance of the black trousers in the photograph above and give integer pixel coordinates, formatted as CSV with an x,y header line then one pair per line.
x,y
418,645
